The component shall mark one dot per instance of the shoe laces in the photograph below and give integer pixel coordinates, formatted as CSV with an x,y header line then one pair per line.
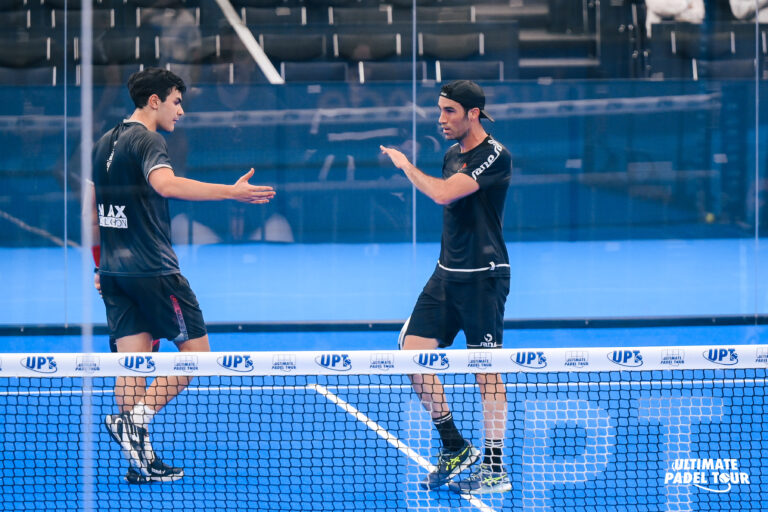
x,y
483,472
449,459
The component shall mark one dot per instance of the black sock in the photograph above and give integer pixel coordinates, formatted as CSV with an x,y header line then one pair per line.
x,y
449,434
492,456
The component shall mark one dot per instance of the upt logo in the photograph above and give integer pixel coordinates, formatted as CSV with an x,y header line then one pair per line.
x,y
725,356
141,364
336,362
631,358
530,359
40,364
236,363
432,360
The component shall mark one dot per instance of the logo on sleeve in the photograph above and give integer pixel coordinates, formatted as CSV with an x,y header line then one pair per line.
x,y
488,161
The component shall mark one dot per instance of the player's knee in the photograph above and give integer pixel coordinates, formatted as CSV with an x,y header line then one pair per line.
x,y
200,344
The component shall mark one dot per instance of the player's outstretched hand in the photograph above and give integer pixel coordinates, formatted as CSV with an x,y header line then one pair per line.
x,y
399,159
254,194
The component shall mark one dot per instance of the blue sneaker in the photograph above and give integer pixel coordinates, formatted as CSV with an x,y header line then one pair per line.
x,y
450,464
482,481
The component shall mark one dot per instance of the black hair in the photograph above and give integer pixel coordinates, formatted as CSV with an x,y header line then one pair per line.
x,y
145,83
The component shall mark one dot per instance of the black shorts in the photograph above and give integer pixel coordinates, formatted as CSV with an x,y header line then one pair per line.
x,y
446,307
163,306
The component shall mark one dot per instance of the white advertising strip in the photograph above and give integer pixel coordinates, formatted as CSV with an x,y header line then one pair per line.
x,y
599,359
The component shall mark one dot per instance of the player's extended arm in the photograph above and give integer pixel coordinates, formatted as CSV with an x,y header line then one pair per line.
x,y
167,184
441,191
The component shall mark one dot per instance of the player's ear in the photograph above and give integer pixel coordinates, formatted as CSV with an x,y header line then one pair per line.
x,y
154,101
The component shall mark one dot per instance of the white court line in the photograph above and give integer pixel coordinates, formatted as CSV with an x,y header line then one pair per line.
x,y
394,441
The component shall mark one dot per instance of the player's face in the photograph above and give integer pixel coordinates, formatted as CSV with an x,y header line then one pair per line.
x,y
170,111
453,120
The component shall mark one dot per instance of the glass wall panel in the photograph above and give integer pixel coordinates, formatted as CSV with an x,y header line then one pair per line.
x,y
34,269
638,177
631,132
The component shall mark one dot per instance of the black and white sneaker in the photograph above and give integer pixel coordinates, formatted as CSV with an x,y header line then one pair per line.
x,y
130,438
158,472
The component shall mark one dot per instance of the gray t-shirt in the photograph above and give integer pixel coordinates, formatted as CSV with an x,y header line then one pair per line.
x,y
134,222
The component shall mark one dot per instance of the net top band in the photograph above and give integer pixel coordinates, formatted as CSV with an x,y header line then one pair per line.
x,y
594,359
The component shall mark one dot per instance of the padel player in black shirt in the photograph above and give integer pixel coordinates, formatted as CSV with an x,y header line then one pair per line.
x,y
145,295
469,286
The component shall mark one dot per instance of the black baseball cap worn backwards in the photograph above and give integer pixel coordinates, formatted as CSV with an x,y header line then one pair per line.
x,y
468,94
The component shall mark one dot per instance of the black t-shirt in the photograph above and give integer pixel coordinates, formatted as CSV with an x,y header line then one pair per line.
x,y
472,245
134,222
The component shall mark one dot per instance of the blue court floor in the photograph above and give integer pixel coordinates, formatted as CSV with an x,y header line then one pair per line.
x,y
293,444
523,338
601,442
380,282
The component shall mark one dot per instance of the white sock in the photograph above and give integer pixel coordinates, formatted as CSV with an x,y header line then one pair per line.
x,y
142,415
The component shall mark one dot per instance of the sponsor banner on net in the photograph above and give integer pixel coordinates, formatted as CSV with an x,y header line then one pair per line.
x,y
238,363
40,363
482,360
285,363
87,364
722,356
478,361
335,362
382,361
576,360
186,364
761,356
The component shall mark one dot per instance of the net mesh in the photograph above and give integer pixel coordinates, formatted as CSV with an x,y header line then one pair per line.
x,y
632,440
